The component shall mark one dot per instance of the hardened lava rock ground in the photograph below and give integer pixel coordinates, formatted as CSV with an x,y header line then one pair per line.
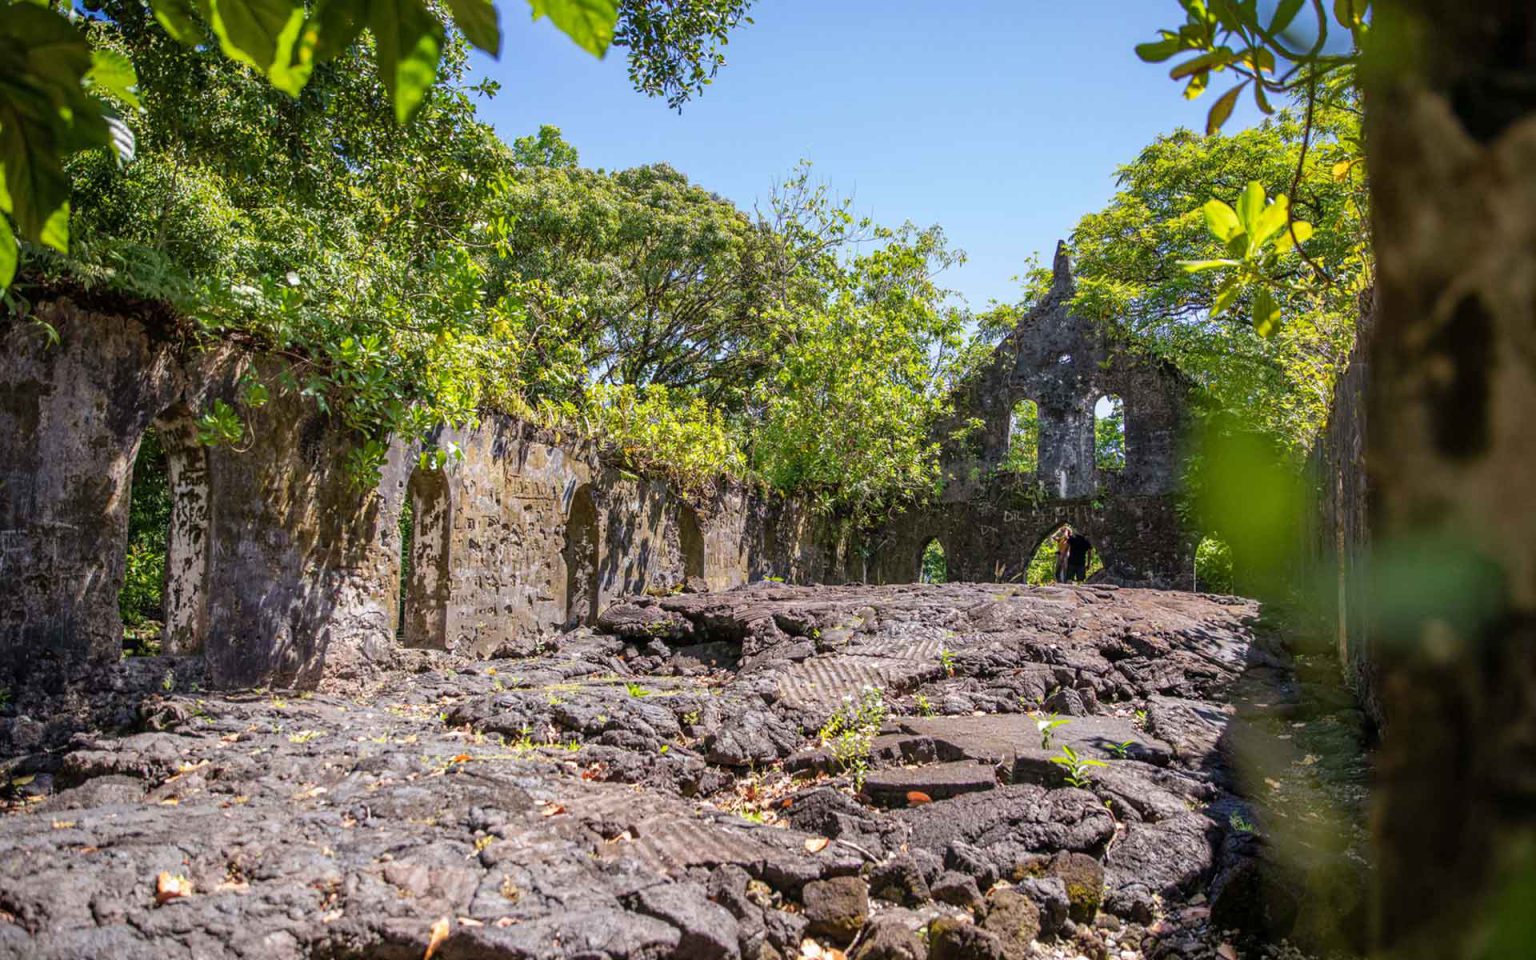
x,y
656,787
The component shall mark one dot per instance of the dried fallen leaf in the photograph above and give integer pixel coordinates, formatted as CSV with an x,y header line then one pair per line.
x,y
470,922
439,934
63,824
462,758
552,809
170,886
1226,952
788,802
816,844
810,950
917,798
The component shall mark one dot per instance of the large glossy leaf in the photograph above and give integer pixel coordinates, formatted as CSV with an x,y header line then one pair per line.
x,y
1222,221
477,20
1225,297
588,22
1222,109
123,142
178,19
1298,232
1250,206
38,187
1201,64
1200,266
1285,13
112,73
333,27
263,34
7,253
1272,219
1266,313
409,40
44,52
1159,50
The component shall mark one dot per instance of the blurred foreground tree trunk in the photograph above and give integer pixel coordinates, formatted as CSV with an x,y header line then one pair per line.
x,y
1451,114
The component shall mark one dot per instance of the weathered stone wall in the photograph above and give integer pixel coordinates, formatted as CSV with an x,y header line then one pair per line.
x,y
990,521
71,417
1339,544
280,569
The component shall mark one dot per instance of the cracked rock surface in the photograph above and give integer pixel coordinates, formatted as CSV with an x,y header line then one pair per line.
x,y
656,786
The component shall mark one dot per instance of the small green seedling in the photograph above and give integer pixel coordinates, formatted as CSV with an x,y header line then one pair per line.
x,y
1047,724
1077,767
947,661
1120,750
636,690
924,708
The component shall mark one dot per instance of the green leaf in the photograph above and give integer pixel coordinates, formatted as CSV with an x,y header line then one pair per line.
x,y
410,41
478,21
1250,205
1285,13
123,142
34,177
262,34
1272,219
1159,50
588,22
8,254
333,27
1222,109
1222,221
1196,85
1206,61
1266,313
1225,296
112,73
1200,266
176,17
1299,232
1262,99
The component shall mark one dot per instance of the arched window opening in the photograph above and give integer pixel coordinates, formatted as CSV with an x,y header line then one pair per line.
x,y
691,540
1066,555
142,597
424,567
1109,434
581,560
932,566
1213,566
163,599
1023,453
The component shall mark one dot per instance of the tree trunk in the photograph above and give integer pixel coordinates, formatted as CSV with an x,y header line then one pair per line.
x,y
1451,112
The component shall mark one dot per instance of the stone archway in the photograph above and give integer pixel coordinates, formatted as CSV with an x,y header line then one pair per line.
x,y
166,543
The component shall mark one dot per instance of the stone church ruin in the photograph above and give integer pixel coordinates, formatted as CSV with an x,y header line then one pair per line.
x,y
280,571
991,519
550,708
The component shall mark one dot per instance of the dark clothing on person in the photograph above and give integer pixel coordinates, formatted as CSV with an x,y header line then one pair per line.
x,y
1078,548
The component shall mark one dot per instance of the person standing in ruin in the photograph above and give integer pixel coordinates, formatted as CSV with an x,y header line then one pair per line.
x,y
1060,538
1078,552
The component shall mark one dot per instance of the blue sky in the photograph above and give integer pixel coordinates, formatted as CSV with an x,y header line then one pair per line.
x,y
1002,121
